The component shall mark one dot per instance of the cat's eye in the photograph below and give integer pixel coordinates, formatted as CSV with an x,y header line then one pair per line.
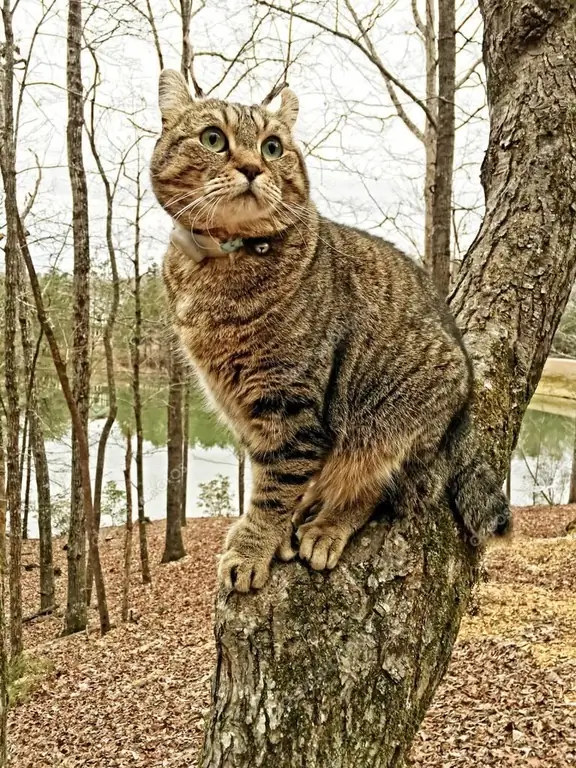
x,y
272,148
213,138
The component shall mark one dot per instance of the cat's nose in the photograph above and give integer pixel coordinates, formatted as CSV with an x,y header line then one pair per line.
x,y
250,171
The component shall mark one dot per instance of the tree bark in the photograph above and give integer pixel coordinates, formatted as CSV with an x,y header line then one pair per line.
x,y
572,492
76,616
27,483
135,353
81,516
185,451
430,133
108,334
174,545
129,527
2,492
38,446
241,475
11,258
336,670
444,154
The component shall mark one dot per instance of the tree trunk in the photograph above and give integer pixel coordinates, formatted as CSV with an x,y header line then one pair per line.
x,y
107,340
135,352
11,259
2,494
430,131
83,449
336,670
76,616
185,451
174,545
241,475
36,438
26,514
572,493
129,526
444,165
4,705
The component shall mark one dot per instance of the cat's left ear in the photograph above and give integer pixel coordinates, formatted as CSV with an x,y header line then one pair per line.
x,y
173,93
288,110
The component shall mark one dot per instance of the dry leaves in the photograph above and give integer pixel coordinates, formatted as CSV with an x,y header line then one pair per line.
x,y
137,697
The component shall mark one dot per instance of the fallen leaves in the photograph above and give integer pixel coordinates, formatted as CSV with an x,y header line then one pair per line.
x,y
138,696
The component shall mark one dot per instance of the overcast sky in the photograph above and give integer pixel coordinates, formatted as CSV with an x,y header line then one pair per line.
x,y
366,167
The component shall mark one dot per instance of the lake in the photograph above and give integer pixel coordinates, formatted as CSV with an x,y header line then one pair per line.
x,y
541,463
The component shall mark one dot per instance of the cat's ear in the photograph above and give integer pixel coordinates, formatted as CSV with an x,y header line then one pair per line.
x,y
173,93
288,110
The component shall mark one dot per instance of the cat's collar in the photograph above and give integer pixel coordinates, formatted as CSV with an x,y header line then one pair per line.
x,y
201,246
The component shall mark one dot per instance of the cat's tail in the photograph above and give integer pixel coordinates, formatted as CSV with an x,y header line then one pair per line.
x,y
474,492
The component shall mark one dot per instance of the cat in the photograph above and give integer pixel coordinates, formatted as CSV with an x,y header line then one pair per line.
x,y
326,349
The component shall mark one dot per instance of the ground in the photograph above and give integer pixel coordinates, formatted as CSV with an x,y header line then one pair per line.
x,y
137,697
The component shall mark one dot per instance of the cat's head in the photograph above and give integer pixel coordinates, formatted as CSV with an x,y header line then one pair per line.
x,y
226,168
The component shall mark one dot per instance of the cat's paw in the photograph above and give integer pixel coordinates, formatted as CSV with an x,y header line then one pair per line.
x,y
249,552
322,543
242,571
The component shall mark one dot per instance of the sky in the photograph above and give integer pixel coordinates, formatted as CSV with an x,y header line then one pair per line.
x,y
366,168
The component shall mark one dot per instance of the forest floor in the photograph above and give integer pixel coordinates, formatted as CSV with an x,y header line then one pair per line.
x,y
137,697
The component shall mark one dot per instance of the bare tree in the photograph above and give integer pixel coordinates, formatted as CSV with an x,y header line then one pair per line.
x,y
3,668
444,147
76,617
110,192
572,491
129,526
241,453
2,489
11,283
36,442
174,544
341,668
135,350
185,451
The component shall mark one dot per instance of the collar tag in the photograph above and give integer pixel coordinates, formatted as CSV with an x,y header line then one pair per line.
x,y
232,245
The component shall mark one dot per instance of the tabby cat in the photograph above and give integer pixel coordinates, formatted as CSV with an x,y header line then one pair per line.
x,y
326,349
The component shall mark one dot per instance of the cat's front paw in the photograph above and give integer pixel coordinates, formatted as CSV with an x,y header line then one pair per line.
x,y
242,571
248,555
322,542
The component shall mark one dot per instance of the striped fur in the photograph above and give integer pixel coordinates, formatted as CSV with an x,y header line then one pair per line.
x,y
331,357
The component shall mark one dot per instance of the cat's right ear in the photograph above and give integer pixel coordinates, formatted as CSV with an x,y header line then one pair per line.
x,y
173,94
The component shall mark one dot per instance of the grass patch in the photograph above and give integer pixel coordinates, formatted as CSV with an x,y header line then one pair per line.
x,y
25,674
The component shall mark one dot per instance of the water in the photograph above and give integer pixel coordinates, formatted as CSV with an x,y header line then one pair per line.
x,y
541,463
211,453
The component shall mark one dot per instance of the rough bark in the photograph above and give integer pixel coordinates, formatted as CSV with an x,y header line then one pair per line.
x,y
174,544
42,474
572,491
27,484
11,282
185,451
516,278
135,354
107,337
76,602
3,668
336,670
444,154
241,475
81,517
2,492
129,527
429,33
